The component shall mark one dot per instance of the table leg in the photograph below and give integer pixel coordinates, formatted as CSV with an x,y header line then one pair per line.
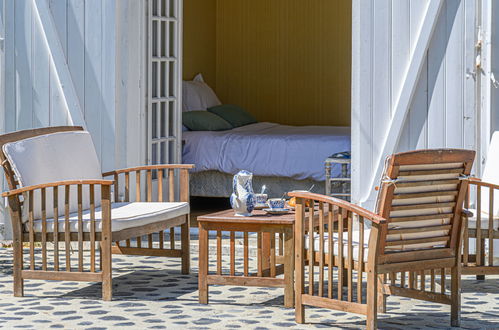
x,y
203,265
266,238
289,268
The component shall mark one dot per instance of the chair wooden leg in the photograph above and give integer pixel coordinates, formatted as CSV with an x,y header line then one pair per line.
x,y
482,260
381,297
186,256
17,269
455,296
372,301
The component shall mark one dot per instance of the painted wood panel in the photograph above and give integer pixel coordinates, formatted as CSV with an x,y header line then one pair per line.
x,y
286,61
441,112
199,40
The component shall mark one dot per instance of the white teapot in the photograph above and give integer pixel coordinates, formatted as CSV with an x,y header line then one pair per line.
x,y
242,199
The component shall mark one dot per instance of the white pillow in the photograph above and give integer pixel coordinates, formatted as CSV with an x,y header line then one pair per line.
x,y
55,157
197,95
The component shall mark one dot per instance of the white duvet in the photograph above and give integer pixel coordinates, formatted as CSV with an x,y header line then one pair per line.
x,y
267,149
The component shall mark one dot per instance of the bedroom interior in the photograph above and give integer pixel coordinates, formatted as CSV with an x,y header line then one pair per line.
x,y
255,55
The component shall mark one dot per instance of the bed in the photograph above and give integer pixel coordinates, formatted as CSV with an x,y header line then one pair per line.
x,y
282,157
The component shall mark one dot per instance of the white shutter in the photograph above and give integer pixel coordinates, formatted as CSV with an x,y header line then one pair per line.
x,y
164,81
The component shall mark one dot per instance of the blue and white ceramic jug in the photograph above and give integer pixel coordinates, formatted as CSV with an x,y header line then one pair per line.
x,y
242,199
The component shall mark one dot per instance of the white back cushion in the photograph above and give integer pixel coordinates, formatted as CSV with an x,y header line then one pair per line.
x,y
491,174
197,95
55,157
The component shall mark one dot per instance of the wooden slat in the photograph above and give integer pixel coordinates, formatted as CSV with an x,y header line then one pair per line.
x,y
246,253
137,186
341,266
171,185
259,254
272,255
432,172
281,244
150,241
422,206
219,252
432,280
31,232
421,217
422,280
232,253
92,228
311,254
350,257
149,186
330,252
139,241
418,241
44,229
147,252
478,227
246,281
61,276
172,238
127,187
418,229
116,188
161,239
425,194
56,227
160,185
491,227
321,249
345,306
360,259
80,228
67,237
426,183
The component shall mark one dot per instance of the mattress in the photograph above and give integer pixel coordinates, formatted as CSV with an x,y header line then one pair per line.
x,y
267,149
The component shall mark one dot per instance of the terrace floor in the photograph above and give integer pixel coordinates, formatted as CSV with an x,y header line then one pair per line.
x,y
150,292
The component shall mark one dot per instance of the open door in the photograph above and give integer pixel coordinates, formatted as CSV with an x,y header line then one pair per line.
x,y
164,78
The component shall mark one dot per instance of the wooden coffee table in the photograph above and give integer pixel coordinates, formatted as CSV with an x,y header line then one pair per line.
x,y
271,260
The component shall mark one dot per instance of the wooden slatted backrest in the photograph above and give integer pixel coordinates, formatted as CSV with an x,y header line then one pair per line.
x,y
421,197
25,134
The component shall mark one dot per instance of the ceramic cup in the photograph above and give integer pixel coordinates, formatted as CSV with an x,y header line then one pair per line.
x,y
276,203
261,199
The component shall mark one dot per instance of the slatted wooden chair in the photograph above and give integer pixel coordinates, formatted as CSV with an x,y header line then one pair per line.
x,y
58,196
481,233
414,236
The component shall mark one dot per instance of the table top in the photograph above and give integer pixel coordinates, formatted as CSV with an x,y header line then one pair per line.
x,y
257,217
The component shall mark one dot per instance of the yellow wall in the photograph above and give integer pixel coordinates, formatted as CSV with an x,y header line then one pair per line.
x,y
286,61
200,40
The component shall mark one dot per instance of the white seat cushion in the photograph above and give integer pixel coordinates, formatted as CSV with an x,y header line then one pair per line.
x,y
123,215
55,157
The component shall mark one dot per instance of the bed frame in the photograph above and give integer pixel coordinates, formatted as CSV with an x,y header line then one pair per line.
x,y
219,184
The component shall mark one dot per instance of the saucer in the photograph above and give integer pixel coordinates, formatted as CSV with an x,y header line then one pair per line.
x,y
277,211
260,206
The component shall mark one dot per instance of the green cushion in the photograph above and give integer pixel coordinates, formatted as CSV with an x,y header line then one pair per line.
x,y
204,121
234,114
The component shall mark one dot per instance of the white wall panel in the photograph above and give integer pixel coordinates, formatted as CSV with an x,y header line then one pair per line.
x,y
441,110
86,38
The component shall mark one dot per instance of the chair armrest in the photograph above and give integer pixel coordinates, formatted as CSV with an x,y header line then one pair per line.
x,y
467,213
149,167
373,217
480,183
56,184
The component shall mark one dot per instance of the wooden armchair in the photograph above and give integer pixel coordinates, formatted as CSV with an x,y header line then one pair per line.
x,y
414,236
58,195
481,228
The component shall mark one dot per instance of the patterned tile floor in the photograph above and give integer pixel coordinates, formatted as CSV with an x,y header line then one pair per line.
x,y
150,292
